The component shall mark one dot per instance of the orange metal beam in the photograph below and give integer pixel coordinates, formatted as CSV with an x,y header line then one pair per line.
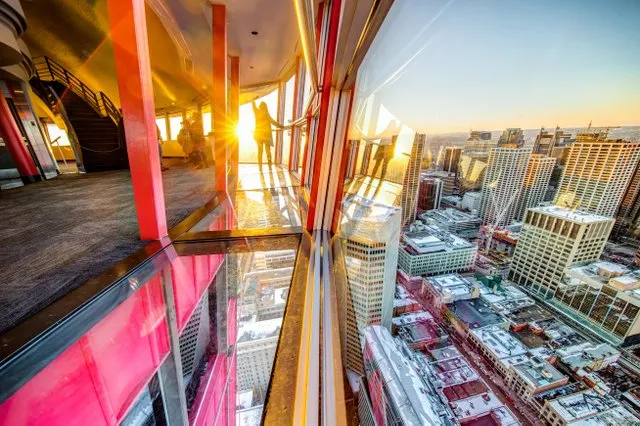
x,y
234,112
219,94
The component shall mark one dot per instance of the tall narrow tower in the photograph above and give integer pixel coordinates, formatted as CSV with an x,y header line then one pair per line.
x,y
411,184
503,183
370,235
597,173
451,159
536,182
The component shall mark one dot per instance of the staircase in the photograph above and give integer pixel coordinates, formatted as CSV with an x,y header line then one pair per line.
x,y
93,117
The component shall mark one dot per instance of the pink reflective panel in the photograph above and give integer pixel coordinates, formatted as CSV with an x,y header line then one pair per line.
x,y
125,348
97,379
62,394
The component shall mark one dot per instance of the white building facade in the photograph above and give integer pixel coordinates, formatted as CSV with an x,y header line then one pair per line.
x,y
435,252
536,183
503,184
370,236
553,239
596,174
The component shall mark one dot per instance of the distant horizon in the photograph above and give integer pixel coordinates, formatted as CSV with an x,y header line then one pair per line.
x,y
500,130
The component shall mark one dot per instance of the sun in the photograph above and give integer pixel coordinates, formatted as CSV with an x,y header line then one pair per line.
x,y
244,131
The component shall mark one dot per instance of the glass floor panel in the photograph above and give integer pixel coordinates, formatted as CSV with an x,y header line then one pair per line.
x,y
251,177
376,190
256,209
190,334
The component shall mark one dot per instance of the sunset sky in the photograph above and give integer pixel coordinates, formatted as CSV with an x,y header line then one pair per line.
x,y
445,66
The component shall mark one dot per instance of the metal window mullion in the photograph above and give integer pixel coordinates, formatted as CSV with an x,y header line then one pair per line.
x,y
333,407
170,374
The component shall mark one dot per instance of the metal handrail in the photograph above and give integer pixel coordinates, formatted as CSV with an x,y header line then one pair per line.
x,y
49,70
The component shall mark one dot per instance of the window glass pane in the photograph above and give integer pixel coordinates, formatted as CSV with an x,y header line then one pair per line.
x,y
58,136
161,123
206,122
288,117
175,126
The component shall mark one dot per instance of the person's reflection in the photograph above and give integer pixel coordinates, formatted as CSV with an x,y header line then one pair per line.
x,y
386,141
383,155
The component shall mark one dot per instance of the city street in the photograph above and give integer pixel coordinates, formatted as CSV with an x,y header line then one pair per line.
x,y
492,378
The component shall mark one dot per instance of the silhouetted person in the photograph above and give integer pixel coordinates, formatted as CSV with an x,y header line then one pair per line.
x,y
196,132
184,140
263,133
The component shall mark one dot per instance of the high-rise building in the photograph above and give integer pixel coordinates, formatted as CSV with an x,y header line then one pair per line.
x,y
256,350
473,160
536,182
411,183
448,181
629,211
451,159
503,184
546,141
552,239
370,236
597,173
511,136
429,194
399,394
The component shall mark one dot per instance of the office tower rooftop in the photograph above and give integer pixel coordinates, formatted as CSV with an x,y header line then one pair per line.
x,y
587,407
435,251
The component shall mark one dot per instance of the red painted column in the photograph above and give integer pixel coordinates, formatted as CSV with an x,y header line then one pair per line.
x,y
131,52
309,138
234,112
219,93
15,145
325,97
335,221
